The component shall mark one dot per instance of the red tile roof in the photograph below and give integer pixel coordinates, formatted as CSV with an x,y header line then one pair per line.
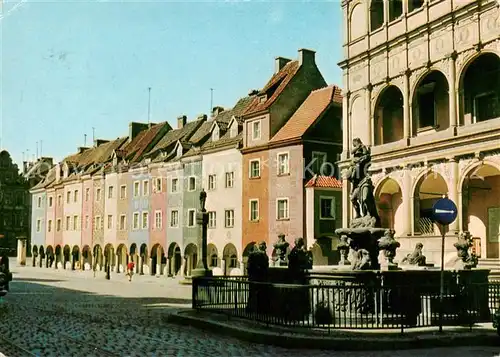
x,y
324,181
273,88
313,107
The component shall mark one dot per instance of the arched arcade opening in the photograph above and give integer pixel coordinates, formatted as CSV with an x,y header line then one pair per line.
x,y
389,199
429,188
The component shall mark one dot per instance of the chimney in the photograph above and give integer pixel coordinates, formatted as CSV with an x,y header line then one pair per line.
x,y
216,111
306,56
181,121
253,92
279,63
134,129
202,117
82,149
97,142
25,167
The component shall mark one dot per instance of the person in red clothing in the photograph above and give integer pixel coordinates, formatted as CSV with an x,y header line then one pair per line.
x,y
130,270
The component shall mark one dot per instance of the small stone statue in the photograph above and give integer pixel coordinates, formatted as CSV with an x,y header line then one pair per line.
x,y
203,199
389,245
466,260
281,246
258,263
415,258
343,248
362,260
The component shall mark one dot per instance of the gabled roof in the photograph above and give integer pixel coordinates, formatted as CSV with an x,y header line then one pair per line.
x,y
49,178
172,136
138,146
273,88
324,182
315,105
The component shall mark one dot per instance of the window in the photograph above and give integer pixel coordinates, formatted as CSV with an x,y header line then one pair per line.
x,y
136,220
38,225
58,226
486,106
327,206
87,194
158,184
98,223
145,220
192,183
282,208
68,197
68,219
158,217
214,260
283,168
49,225
254,210
233,261
75,196
174,185
318,159
145,187
254,168
75,223
50,201
174,218
86,222
229,179
136,188
211,182
123,191
98,194
110,221
123,221
426,106
256,130
191,218
39,204
212,220
110,191
229,218
59,200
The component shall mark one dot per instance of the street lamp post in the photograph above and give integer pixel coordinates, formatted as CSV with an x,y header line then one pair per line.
x,y
202,221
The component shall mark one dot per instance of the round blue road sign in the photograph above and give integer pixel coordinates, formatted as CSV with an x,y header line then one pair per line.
x,y
444,211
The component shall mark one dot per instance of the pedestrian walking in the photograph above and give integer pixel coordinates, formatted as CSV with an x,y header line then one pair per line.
x,y
130,270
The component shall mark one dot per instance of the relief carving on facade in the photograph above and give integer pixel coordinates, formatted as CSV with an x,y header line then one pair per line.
x,y
490,25
358,76
417,53
466,35
415,77
493,46
397,60
441,43
378,68
376,91
462,60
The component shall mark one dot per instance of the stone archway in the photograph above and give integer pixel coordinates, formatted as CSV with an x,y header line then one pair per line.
x,y
389,198
98,258
388,116
157,259
479,89
430,103
50,257
34,254
212,256
428,189
66,257
109,257
175,259
75,258
134,256
230,259
143,259
481,208
121,258
246,252
58,257
191,258
41,254
86,258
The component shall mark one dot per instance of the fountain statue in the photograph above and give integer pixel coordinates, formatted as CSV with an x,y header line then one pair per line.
x,y
281,247
364,238
415,258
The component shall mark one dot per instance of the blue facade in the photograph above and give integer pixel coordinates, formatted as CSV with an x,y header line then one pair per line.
x,y
38,219
139,203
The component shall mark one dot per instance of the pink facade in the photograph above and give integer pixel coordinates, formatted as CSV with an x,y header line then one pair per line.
x,y
59,216
87,214
157,235
51,218
122,208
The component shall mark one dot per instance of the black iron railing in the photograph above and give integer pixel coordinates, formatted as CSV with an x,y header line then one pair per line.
x,y
347,305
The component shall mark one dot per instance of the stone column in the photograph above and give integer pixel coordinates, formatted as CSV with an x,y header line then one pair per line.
x,y
117,262
169,267
452,93
346,124
346,204
139,266
369,115
184,269
407,203
407,127
223,266
453,192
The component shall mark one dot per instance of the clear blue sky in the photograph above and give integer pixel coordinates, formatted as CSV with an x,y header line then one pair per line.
x,y
68,67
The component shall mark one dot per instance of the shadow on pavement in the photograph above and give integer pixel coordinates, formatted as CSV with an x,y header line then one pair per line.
x,y
39,280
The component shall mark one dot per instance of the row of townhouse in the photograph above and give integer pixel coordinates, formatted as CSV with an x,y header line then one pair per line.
x,y
267,165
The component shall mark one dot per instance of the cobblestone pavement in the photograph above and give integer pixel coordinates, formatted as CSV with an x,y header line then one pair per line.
x,y
59,314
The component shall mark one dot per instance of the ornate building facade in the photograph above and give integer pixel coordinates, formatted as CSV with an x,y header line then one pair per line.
x,y
422,88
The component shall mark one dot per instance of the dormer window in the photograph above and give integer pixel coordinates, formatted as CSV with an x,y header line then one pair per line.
x,y
256,130
164,154
179,151
233,131
215,133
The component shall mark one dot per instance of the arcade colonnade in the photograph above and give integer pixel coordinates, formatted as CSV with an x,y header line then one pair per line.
x,y
405,198
149,261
